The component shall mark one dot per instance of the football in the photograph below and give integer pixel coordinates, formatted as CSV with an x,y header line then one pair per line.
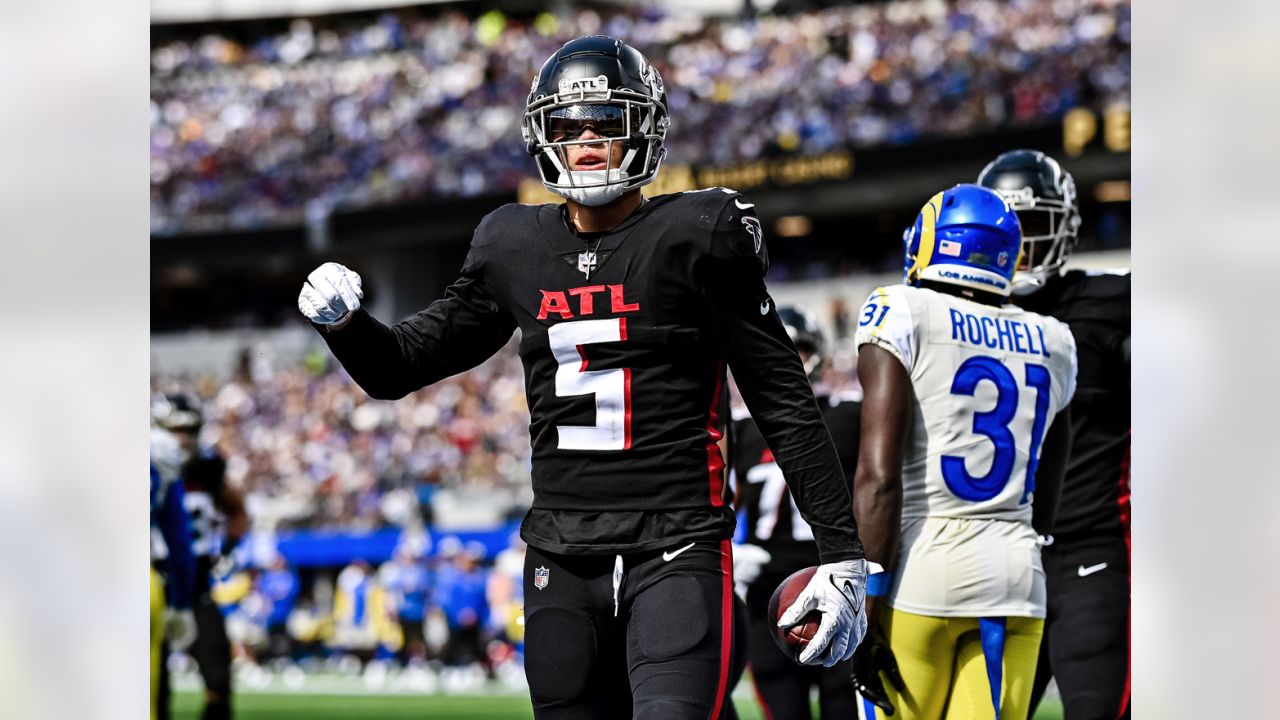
x,y
793,640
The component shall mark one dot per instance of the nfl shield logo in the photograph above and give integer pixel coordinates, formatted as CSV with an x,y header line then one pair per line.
x,y
586,263
1003,259
540,577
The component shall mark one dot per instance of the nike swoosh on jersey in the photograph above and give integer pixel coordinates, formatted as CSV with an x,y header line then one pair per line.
x,y
1082,571
669,556
764,308
741,205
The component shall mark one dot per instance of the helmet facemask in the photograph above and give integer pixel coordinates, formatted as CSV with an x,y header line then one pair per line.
x,y
1050,230
618,116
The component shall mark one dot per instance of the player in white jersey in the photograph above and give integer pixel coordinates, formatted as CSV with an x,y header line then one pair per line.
x,y
962,430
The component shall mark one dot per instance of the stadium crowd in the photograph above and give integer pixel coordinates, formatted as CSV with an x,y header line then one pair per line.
x,y
349,112
308,448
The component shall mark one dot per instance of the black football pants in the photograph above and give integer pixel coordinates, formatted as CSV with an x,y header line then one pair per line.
x,y
212,653
645,635
1086,632
782,685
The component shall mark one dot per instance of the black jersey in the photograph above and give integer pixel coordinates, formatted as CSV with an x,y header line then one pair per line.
x,y
1095,491
773,520
625,337
202,478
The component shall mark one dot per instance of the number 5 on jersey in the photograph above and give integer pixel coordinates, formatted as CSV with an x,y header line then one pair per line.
x,y
611,388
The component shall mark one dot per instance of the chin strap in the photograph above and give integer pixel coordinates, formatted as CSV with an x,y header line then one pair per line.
x,y
603,187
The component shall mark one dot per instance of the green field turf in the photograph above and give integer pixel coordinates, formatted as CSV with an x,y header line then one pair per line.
x,y
303,706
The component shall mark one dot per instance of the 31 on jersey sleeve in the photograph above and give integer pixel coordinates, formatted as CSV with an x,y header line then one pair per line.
x,y
885,320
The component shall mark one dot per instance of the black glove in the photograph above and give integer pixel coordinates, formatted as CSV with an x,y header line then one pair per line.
x,y
872,658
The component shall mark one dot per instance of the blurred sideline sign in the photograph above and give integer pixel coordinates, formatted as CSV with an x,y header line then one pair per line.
x,y
1080,129
674,178
339,546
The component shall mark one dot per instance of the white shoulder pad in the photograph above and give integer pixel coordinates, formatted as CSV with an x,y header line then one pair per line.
x,y
885,320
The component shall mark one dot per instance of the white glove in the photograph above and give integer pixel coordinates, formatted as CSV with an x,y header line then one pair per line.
x,y
179,628
330,293
838,591
748,561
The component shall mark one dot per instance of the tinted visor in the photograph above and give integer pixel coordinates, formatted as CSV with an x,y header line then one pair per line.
x,y
568,123
1035,223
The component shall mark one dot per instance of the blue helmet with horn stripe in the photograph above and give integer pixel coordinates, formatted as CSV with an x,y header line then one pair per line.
x,y
967,236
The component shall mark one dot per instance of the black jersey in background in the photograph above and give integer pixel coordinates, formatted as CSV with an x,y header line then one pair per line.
x,y
625,336
772,519
202,479
1095,491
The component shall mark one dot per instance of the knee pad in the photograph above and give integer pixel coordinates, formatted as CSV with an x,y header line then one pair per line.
x,y
560,649
671,618
671,709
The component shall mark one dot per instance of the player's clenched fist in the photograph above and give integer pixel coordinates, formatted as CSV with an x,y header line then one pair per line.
x,y
330,293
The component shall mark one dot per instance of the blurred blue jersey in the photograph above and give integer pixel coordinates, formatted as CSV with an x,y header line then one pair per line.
x,y
169,517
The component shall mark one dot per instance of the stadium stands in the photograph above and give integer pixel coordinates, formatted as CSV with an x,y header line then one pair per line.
x,y
269,129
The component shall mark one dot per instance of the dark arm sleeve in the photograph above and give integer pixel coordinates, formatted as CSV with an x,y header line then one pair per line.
x,y
1051,473
455,333
772,379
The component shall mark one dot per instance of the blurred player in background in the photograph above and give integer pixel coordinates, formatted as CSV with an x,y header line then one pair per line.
x,y
218,521
779,541
629,309
1086,642
278,585
408,585
173,623
961,393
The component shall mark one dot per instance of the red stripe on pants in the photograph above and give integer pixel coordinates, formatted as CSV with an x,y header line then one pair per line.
x,y
726,625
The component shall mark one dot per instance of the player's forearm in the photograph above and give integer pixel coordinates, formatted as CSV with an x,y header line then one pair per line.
x,y
877,485
231,503
878,508
372,354
1051,473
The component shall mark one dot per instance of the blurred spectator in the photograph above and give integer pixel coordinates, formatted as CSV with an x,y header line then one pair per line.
x,y
360,620
343,111
409,587
505,593
462,597
279,585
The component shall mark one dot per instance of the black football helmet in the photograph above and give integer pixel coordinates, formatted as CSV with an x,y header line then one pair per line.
x,y
807,336
1044,197
603,83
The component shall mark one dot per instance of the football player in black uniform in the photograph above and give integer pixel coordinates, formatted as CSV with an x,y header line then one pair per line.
x,y
779,541
218,521
1086,636
629,310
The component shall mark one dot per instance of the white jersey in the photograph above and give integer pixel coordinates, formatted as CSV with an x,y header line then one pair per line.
x,y
987,383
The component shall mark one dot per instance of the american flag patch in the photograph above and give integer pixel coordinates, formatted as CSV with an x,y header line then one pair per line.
x,y
949,247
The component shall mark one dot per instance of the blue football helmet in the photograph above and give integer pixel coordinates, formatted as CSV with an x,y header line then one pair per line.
x,y
967,236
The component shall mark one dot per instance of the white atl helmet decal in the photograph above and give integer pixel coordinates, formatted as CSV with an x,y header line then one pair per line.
x,y
597,84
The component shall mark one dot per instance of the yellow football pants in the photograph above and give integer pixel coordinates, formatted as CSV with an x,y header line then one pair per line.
x,y
947,674
157,637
